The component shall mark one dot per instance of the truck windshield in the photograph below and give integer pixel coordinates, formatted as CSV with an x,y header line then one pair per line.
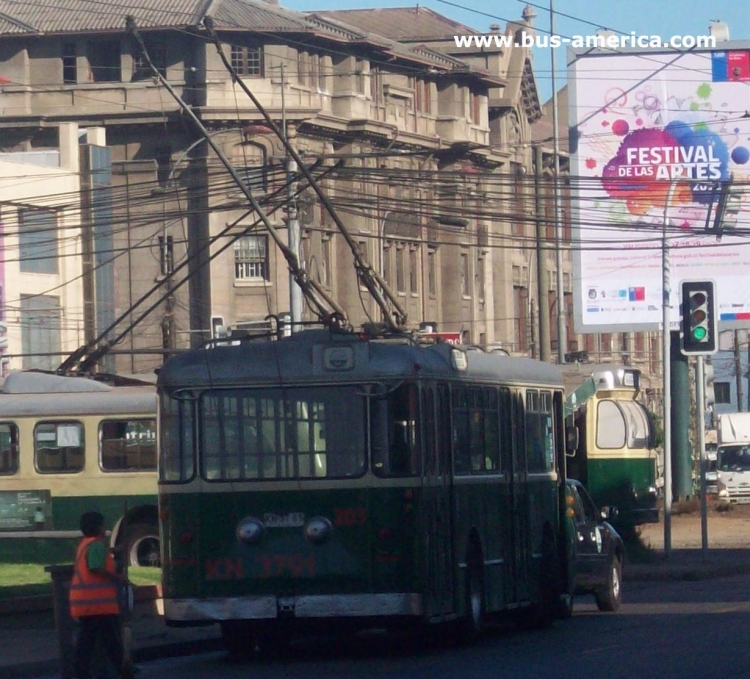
x,y
734,458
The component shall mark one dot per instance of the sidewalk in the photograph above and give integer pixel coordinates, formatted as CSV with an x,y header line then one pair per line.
x,y
30,647
29,642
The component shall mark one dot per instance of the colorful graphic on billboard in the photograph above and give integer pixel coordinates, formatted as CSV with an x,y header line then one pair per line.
x,y
643,122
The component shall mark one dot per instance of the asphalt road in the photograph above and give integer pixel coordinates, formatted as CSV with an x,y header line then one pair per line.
x,y
670,630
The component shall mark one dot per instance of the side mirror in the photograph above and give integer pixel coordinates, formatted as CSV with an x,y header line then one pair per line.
x,y
571,440
609,514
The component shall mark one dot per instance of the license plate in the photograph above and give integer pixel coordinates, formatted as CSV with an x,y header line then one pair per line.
x,y
288,520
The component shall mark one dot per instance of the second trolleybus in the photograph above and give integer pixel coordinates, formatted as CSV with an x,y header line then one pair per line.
x,y
327,477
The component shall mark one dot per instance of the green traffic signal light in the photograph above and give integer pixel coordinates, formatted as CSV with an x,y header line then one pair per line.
x,y
699,334
698,310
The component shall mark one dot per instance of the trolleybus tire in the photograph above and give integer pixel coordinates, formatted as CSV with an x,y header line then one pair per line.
x,y
142,545
238,637
472,624
608,599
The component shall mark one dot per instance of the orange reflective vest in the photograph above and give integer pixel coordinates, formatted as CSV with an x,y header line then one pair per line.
x,y
92,593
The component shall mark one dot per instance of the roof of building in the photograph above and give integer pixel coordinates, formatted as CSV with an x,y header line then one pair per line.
x,y
95,16
402,23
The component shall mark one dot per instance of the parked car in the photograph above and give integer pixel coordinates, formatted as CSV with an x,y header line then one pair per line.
x,y
597,550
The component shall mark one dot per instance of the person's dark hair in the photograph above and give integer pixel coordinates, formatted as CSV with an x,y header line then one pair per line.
x,y
91,524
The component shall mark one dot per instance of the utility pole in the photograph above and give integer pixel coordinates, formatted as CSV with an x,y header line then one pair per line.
x,y
561,329
295,293
738,370
542,280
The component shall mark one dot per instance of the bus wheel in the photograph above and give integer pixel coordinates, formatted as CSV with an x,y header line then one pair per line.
x,y
472,624
238,638
608,599
142,544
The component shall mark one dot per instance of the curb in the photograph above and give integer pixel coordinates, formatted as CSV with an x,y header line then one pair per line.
x,y
677,572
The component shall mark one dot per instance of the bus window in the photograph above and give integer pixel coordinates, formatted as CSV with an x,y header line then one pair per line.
x,y
461,452
398,454
58,447
127,445
176,444
8,449
491,431
637,422
610,426
282,434
428,417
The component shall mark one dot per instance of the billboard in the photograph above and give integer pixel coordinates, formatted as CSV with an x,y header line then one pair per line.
x,y
642,122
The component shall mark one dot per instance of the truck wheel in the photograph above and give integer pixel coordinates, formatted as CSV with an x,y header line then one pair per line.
x,y
142,545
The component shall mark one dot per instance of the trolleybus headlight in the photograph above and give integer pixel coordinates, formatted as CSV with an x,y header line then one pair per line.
x,y
250,530
317,529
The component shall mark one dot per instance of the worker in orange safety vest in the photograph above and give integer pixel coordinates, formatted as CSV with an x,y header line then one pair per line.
x,y
94,597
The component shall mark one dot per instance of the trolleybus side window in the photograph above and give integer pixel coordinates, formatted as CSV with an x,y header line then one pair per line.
x,y
127,445
395,439
8,449
430,447
58,447
176,445
475,430
540,445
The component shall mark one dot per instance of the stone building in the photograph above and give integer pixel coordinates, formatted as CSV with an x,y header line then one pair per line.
x,y
426,152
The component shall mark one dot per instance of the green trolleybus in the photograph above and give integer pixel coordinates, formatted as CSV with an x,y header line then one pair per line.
x,y
69,445
330,478
616,457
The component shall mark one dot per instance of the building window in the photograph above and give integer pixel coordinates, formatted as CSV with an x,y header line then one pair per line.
x,y
360,72
640,344
413,270
251,258
606,343
69,64
247,61
421,89
464,274
400,284
37,241
432,271
517,206
387,263
104,61
250,162
303,67
476,109
158,54
721,392
480,275
376,86
40,332
520,317
326,263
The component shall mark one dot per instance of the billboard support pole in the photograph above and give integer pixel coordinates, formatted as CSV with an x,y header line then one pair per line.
x,y
562,337
667,373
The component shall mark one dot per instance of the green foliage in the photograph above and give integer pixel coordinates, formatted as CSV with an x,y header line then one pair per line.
x,y
30,579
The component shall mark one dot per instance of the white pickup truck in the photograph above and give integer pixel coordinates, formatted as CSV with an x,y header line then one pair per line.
x,y
733,455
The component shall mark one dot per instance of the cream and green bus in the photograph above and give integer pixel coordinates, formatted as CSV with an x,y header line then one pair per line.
x,y
70,445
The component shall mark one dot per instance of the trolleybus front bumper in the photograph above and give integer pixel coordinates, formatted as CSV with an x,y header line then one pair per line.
x,y
269,607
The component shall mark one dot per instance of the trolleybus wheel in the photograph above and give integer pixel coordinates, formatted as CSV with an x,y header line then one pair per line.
x,y
608,599
472,624
238,638
142,544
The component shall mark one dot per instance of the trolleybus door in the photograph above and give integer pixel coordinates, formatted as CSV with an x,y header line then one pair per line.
x,y
437,480
518,494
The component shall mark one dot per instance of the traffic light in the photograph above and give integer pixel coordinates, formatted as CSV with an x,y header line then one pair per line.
x,y
698,318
